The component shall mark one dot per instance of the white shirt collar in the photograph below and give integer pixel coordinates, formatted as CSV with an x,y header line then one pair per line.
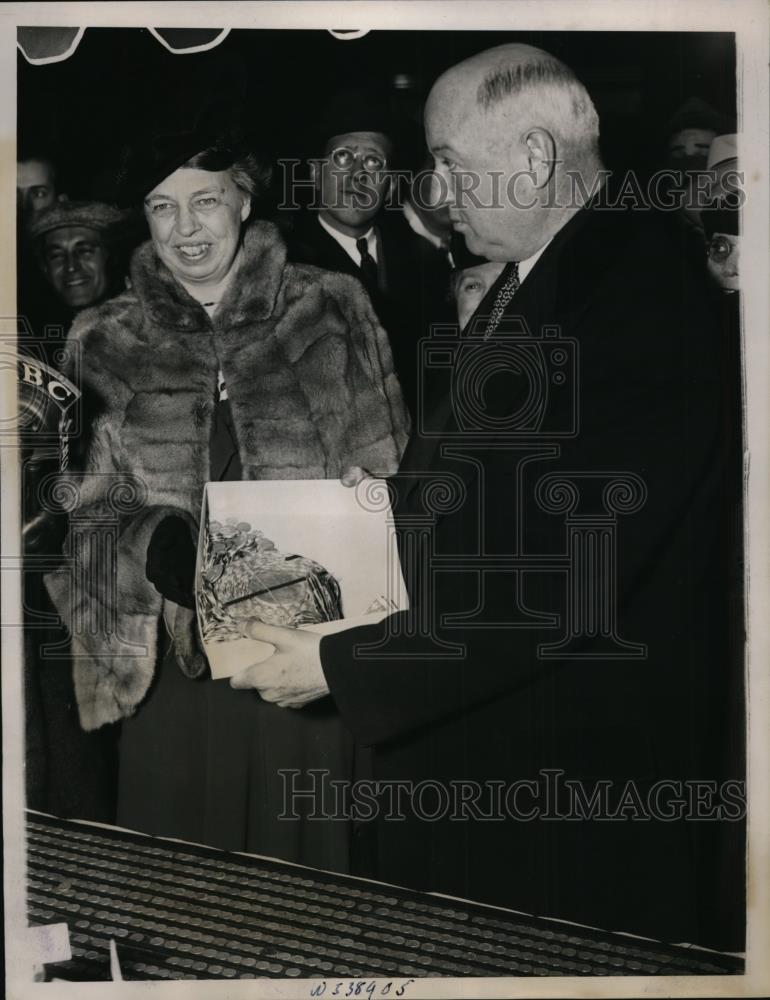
x,y
348,243
525,266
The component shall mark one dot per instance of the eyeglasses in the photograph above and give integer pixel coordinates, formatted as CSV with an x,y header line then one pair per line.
x,y
343,158
719,249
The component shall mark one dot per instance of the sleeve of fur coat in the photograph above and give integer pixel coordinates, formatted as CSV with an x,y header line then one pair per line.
x,y
346,370
101,592
110,609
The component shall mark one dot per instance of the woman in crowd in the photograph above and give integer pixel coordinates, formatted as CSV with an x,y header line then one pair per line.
x,y
470,280
221,362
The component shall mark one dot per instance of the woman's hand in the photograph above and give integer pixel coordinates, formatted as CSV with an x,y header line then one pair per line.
x,y
293,676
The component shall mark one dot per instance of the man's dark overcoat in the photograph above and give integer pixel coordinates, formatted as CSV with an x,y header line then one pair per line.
x,y
625,379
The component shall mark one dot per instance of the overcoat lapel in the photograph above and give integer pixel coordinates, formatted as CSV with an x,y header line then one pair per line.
x,y
558,289
431,452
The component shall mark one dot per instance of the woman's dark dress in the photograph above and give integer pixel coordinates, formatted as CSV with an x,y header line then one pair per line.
x,y
200,761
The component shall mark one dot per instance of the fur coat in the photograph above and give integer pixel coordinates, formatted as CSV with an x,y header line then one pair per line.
x,y
312,391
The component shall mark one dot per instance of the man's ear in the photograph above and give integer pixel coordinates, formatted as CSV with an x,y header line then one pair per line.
x,y
245,207
315,173
541,153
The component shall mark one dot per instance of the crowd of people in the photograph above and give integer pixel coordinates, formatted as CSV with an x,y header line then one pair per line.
x,y
215,345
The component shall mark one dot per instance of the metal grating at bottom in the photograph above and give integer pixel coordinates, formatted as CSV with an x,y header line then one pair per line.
x,y
179,911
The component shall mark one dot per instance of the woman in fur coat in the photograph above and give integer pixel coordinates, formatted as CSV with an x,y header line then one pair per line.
x,y
222,361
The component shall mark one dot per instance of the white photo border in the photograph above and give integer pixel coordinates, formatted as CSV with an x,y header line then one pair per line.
x,y
749,20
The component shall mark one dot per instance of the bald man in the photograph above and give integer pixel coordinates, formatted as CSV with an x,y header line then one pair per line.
x,y
554,722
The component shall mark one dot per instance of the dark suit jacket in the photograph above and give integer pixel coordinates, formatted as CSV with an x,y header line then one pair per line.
x,y
624,372
413,280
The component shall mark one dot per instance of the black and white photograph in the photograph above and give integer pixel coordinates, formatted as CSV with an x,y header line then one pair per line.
x,y
384,546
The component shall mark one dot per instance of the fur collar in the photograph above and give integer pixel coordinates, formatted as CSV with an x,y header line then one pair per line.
x,y
169,306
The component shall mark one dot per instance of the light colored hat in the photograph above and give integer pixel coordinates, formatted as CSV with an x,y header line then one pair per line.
x,y
92,214
723,147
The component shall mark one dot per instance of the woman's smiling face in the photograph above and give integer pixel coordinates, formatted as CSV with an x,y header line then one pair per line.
x,y
195,218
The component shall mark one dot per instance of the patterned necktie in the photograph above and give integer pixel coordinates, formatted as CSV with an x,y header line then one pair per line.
x,y
505,293
368,264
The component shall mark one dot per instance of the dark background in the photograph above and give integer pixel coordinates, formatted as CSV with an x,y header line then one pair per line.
x,y
119,82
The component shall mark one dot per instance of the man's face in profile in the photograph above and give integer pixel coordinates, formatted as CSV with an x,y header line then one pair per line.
x,y
75,263
35,187
481,173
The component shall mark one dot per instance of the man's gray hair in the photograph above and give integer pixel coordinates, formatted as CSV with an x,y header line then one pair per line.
x,y
560,102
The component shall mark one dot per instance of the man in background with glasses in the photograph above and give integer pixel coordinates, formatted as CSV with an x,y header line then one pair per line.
x,y
356,225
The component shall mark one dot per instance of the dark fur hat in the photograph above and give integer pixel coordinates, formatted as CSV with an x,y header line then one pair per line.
x,y
155,154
